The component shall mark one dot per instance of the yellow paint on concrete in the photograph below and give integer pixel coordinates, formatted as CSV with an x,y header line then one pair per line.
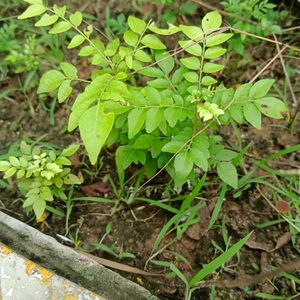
x,y
38,272
5,250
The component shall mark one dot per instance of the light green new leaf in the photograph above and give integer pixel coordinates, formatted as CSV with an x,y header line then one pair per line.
x,y
193,32
72,179
32,11
46,20
71,150
192,63
261,88
76,41
218,39
227,172
69,70
191,47
154,116
271,107
136,120
4,165
252,115
214,52
131,38
169,31
152,72
76,18
34,1
95,127
183,164
218,262
39,206
211,21
50,81
60,27
112,47
64,91
153,42
212,67
136,25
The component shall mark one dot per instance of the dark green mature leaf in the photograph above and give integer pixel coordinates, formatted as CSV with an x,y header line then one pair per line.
x,y
271,107
50,81
227,172
261,88
136,120
95,127
252,115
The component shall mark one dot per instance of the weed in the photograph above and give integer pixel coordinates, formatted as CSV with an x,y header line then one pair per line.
x,y
41,175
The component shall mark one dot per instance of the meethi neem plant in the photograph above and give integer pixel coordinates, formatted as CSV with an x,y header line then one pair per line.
x,y
175,114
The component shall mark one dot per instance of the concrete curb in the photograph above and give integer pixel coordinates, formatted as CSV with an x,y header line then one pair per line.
x,y
66,262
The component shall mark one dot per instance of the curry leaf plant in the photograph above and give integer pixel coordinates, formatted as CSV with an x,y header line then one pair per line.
x,y
41,175
159,106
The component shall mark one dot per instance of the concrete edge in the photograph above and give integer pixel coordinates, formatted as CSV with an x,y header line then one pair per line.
x,y
66,262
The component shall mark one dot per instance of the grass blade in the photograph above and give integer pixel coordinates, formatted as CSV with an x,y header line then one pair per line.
x,y
218,206
218,262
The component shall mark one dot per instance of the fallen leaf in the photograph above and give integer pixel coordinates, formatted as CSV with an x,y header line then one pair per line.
x,y
95,189
259,246
75,160
284,239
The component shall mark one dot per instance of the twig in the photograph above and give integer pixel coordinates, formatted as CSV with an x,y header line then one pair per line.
x,y
285,72
267,65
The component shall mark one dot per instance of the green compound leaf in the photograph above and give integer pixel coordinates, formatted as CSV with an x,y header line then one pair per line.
x,y
76,18
32,11
131,38
136,25
226,155
191,47
39,206
136,120
142,56
192,63
271,107
208,80
46,20
50,81
95,127
183,164
60,27
64,91
211,21
218,39
199,159
69,70
252,115
166,62
261,88
76,41
227,172
193,32
153,118
212,67
214,52
191,77
153,42
171,30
